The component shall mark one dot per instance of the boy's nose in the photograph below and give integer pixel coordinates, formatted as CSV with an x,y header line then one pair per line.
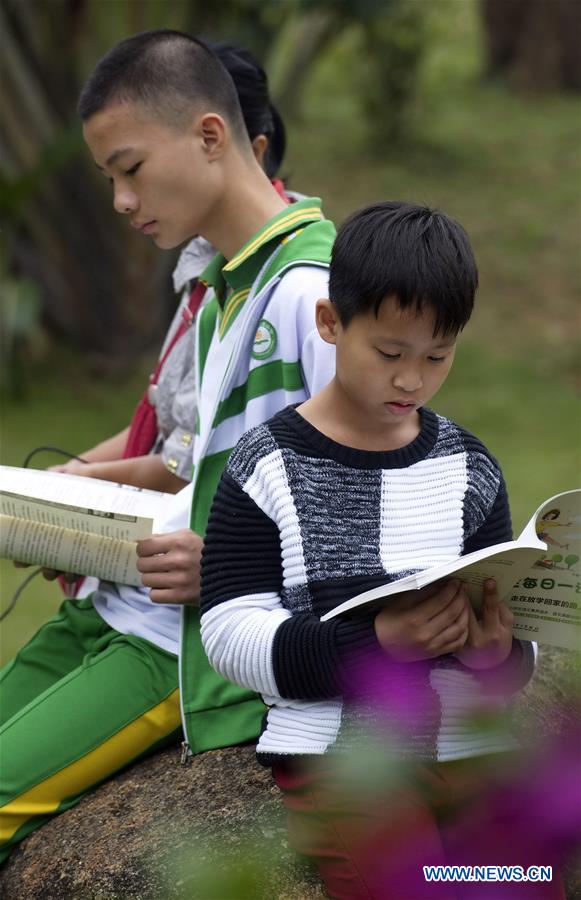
x,y
408,380
125,202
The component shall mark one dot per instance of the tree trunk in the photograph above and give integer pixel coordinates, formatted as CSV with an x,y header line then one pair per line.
x,y
308,34
102,285
534,44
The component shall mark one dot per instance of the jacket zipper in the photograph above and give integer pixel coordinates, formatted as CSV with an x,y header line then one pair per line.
x,y
185,749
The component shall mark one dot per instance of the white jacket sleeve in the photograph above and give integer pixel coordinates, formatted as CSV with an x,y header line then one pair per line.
x,y
296,295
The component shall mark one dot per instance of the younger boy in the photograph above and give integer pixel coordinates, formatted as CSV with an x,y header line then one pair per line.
x,y
360,485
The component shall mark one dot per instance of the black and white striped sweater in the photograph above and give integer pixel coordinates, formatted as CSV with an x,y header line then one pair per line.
x,y
301,523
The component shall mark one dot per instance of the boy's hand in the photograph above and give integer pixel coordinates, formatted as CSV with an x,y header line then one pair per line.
x,y
489,640
426,623
72,467
170,566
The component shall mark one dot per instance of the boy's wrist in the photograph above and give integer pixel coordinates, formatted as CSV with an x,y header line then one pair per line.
x,y
508,675
484,658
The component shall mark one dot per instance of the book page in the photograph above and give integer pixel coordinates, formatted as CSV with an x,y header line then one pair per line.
x,y
69,550
567,501
546,599
78,493
116,526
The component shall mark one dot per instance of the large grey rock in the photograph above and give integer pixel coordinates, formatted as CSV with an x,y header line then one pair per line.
x,y
161,830
212,830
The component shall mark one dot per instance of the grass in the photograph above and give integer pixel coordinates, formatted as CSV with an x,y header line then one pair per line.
x,y
507,167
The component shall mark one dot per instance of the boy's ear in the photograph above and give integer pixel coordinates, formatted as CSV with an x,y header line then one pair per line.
x,y
213,132
327,320
259,147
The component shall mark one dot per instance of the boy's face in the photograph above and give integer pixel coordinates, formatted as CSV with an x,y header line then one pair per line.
x,y
390,365
162,176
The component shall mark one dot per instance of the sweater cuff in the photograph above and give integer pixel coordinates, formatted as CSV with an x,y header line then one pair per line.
x,y
314,660
357,650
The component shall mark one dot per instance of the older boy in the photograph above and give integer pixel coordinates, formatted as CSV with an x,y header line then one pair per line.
x,y
360,485
98,685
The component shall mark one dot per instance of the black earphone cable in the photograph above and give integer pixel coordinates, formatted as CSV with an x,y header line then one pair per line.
x,y
45,449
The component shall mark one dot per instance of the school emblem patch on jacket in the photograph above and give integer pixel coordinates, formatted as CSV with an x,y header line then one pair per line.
x,y
265,340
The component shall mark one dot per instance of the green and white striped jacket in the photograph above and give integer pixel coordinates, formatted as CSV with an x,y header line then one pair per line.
x,y
257,350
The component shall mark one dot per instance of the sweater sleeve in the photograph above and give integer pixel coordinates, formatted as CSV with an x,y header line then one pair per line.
x,y
496,527
249,635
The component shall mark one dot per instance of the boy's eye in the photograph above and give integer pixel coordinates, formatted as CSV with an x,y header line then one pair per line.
x,y
389,355
436,359
133,169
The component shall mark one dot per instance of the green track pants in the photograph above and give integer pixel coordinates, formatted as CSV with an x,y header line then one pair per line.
x,y
78,703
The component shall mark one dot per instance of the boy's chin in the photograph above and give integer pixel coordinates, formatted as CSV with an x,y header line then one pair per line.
x,y
166,242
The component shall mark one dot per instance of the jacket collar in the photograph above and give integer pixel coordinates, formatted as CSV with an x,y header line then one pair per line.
x,y
239,272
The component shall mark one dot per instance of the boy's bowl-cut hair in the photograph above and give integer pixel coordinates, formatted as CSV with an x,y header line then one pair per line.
x,y
420,256
171,74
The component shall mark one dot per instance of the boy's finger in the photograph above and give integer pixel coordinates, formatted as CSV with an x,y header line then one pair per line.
x,y
157,543
454,634
158,580
174,595
159,562
50,574
432,598
473,623
445,595
450,614
410,599
490,603
506,615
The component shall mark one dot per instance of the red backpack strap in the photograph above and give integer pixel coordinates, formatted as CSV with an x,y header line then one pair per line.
x,y
143,430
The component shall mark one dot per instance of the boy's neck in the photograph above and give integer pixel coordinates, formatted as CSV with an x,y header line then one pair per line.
x,y
247,205
331,413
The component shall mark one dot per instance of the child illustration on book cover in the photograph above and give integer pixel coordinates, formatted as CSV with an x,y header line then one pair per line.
x,y
548,520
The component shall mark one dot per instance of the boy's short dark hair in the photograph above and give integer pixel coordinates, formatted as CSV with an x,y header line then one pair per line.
x,y
420,256
169,73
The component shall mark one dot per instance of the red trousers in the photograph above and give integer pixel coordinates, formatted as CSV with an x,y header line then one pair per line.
x,y
371,839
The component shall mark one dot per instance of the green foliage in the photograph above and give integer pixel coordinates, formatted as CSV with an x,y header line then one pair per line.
x,y
17,190
392,50
232,876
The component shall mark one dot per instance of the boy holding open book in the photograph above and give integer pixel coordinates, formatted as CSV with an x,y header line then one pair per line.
x,y
99,685
360,485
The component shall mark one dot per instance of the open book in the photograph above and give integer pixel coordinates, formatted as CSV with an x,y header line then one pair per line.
x,y
538,575
76,524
